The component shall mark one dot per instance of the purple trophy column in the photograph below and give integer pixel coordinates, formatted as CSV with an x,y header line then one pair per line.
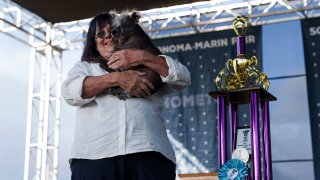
x,y
254,110
233,111
222,145
241,45
266,139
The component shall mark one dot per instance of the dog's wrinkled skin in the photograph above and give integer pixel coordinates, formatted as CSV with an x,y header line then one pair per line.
x,y
129,35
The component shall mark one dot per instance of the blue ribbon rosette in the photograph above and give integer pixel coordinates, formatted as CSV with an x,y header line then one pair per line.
x,y
233,169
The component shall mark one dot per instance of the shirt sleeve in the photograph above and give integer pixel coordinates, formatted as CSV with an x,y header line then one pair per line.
x,y
72,86
178,77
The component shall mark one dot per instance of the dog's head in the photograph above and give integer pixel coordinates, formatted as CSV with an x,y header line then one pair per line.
x,y
124,25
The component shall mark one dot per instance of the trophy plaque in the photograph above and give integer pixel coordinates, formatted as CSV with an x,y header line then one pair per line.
x,y
243,138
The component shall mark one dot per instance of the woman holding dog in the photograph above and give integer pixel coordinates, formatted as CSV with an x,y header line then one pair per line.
x,y
116,139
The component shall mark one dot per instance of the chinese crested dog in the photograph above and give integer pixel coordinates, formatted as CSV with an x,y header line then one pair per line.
x,y
128,34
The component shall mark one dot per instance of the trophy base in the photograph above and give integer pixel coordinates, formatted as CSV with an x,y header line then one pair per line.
x,y
242,96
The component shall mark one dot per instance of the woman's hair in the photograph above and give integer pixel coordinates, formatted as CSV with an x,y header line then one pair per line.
x,y
90,52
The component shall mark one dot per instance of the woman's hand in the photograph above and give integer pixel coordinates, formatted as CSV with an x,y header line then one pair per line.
x,y
126,58
135,82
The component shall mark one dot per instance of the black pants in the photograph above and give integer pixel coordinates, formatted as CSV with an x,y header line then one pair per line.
x,y
137,166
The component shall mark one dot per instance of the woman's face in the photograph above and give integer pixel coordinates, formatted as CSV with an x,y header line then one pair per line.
x,y
104,43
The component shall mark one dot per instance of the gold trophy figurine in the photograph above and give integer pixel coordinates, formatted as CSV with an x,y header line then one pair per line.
x,y
241,72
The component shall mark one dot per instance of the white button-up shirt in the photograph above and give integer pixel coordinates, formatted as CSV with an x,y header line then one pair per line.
x,y
107,126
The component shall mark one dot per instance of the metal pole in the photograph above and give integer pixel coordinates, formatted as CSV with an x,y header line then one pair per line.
x,y
30,107
266,139
254,110
222,145
43,123
233,111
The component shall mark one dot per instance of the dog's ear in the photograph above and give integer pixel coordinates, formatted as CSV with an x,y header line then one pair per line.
x,y
135,15
113,13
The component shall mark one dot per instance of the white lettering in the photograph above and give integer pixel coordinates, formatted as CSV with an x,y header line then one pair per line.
x,y
166,102
175,102
198,45
175,48
314,31
164,49
188,47
219,43
206,45
200,100
233,40
187,101
180,47
250,39
172,48
211,44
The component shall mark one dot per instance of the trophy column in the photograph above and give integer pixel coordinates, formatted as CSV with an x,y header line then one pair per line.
x,y
222,141
255,135
266,139
233,114
252,97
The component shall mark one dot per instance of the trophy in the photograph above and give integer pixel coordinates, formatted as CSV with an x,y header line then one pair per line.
x,y
241,82
241,72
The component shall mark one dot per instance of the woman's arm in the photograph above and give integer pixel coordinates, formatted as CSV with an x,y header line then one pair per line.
x,y
174,74
132,81
94,85
72,87
130,58
81,86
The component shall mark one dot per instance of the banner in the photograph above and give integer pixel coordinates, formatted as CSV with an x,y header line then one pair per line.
x,y
190,115
311,42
